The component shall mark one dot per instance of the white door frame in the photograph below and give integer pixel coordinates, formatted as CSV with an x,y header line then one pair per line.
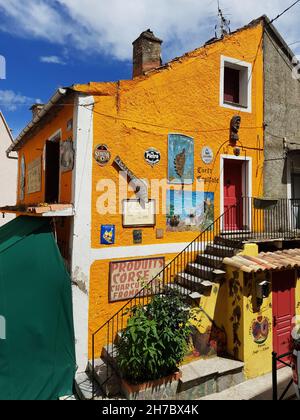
x,y
247,172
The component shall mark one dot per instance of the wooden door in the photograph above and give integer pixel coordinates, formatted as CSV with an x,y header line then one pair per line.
x,y
233,191
283,311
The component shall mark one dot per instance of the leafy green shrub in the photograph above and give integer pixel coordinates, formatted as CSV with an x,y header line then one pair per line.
x,y
155,340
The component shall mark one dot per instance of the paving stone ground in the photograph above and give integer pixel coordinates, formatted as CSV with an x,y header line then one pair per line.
x,y
257,389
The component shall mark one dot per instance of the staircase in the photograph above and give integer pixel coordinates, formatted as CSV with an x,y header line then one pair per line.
x,y
193,273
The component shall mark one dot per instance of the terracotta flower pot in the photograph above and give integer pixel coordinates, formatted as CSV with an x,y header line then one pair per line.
x,y
164,387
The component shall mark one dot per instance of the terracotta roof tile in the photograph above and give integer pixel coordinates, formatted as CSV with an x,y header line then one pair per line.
x,y
266,261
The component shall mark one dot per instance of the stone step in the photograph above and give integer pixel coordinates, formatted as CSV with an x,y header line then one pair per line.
x,y
220,250
184,291
228,242
202,271
210,260
109,355
206,377
84,387
205,272
106,377
192,282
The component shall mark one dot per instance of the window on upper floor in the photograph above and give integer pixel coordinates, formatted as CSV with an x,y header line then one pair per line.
x,y
236,84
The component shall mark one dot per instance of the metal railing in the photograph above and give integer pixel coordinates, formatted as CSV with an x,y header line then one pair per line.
x,y
250,218
282,360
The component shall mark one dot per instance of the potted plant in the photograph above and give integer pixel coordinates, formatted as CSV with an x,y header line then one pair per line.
x,y
152,346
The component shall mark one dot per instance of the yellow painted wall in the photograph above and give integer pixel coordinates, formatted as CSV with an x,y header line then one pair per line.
x,y
100,309
132,116
257,357
33,149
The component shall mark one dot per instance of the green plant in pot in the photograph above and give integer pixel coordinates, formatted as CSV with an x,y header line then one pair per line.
x,y
155,340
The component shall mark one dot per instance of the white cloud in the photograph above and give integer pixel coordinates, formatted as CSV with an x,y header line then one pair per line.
x,y
109,27
11,101
52,59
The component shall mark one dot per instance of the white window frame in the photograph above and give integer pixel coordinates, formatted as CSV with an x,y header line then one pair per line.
x,y
239,65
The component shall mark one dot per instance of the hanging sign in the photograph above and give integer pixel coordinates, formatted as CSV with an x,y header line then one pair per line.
x,y
207,155
102,155
152,156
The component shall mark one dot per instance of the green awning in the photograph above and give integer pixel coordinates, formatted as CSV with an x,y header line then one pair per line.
x,y
37,358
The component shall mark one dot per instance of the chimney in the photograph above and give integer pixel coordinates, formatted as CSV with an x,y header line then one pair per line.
x,y
36,109
146,53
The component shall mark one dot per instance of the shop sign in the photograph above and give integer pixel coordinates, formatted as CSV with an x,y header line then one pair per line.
x,y
152,156
128,278
102,155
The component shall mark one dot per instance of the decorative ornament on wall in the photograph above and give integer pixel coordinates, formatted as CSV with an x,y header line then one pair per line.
x,y
66,156
235,126
137,236
102,155
207,155
152,156
140,187
260,330
108,233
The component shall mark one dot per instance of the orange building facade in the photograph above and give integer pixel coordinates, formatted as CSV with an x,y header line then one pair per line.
x,y
178,133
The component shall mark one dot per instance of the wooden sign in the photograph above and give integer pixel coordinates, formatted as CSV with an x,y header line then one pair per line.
x,y
34,176
128,278
140,187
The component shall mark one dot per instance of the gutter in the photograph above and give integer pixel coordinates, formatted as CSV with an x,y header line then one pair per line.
x,y
55,98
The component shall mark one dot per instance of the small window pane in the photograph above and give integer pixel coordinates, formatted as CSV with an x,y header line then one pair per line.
x,y
231,85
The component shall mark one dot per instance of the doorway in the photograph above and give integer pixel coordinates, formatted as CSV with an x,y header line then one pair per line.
x,y
235,186
52,172
296,200
284,310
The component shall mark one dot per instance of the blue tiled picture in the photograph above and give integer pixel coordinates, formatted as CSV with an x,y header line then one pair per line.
x,y
108,233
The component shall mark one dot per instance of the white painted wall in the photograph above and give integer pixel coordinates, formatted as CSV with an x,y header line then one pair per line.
x,y
8,172
81,232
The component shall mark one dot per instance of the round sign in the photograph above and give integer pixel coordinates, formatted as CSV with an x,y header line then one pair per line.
x,y
152,156
102,155
207,155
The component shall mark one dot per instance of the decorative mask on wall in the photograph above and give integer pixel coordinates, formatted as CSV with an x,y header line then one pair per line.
x,y
235,125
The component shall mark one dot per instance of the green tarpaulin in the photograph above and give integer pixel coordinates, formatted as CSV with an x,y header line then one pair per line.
x,y
37,356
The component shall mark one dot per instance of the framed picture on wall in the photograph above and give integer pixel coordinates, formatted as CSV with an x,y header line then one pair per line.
x,y
136,214
180,159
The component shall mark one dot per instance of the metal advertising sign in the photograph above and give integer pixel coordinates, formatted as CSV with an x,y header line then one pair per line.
x,y
152,156
102,155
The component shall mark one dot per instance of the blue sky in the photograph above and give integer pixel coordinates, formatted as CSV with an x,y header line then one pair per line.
x,y
53,43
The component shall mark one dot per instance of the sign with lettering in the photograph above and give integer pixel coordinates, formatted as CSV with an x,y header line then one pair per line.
x,y
152,156
34,176
102,155
127,278
207,155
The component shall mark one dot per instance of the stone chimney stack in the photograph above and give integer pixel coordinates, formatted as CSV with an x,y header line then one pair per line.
x,y
36,109
146,53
